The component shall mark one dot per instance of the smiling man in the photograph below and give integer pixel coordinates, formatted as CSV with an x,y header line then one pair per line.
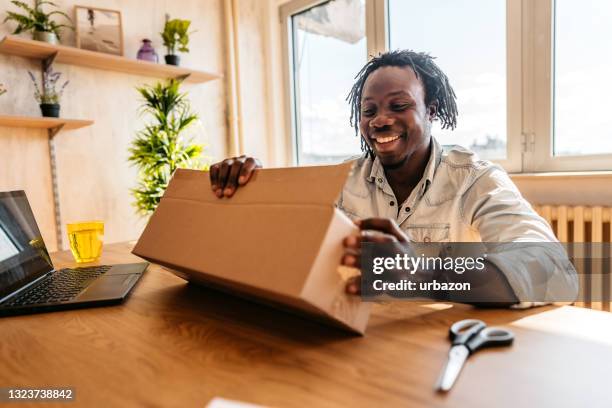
x,y
407,188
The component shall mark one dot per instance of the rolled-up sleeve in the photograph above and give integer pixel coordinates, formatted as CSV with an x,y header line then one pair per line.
x,y
522,245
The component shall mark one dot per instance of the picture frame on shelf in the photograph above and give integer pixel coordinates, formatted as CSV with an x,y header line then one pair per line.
x,y
99,30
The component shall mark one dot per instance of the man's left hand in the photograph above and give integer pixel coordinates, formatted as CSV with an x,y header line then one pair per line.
x,y
377,230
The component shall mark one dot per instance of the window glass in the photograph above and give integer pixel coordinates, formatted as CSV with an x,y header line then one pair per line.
x,y
329,48
583,59
468,39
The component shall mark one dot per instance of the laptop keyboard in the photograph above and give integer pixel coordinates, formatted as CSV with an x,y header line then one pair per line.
x,y
60,286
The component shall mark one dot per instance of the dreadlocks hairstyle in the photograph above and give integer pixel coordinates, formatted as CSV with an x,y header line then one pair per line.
x,y
437,87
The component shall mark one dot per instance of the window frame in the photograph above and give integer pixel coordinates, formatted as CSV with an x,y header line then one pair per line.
x,y
540,157
286,12
529,83
514,89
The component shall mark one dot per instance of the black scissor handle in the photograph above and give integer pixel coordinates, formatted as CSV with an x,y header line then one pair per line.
x,y
490,337
463,330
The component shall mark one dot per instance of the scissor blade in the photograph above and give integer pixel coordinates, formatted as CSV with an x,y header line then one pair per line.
x,y
456,359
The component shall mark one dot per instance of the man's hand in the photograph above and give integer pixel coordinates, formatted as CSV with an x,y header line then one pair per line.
x,y
378,230
228,175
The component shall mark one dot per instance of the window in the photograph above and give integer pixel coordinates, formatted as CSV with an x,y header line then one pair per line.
x,y
582,120
329,46
529,75
468,39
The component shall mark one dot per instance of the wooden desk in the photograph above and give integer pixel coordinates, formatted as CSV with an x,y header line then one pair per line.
x,y
173,344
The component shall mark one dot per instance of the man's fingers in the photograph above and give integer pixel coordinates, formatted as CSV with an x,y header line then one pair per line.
x,y
214,176
232,177
351,259
227,175
353,285
375,230
247,169
224,169
352,245
385,225
377,237
352,241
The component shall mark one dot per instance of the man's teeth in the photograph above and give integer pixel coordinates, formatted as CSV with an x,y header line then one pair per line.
x,y
386,139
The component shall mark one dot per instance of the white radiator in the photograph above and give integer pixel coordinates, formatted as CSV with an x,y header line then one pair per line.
x,y
581,224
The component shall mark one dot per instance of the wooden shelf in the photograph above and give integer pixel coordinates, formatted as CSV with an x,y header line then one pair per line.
x,y
23,47
43,123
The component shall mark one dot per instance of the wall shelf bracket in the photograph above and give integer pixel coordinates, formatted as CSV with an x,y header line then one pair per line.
x,y
183,77
54,130
48,61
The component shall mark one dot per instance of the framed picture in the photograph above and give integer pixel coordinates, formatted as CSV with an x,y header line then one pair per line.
x,y
99,30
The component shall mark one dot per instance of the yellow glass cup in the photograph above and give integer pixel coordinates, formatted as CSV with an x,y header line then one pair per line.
x,y
86,240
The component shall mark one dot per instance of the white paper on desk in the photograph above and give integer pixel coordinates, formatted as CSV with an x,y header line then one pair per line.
x,y
225,403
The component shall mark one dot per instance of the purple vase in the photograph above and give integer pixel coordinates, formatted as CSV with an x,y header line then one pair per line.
x,y
147,52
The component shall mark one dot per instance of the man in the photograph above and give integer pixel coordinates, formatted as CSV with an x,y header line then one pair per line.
x,y
406,188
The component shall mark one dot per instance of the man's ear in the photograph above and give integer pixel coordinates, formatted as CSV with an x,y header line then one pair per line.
x,y
432,110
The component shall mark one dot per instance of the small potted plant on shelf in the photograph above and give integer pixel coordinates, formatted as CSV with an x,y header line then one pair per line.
x,y
37,21
49,98
2,89
176,38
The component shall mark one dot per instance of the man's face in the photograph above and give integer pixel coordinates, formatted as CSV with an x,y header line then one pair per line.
x,y
395,122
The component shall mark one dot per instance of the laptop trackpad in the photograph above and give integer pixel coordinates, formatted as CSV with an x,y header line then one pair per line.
x,y
109,287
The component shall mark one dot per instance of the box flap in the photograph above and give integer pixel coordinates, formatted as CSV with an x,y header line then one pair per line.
x,y
303,185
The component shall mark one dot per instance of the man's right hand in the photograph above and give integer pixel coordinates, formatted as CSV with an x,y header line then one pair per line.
x,y
227,175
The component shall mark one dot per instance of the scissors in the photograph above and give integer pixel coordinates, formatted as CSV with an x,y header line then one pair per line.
x,y
467,336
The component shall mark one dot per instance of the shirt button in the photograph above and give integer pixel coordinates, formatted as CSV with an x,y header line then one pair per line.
x,y
392,203
380,180
407,209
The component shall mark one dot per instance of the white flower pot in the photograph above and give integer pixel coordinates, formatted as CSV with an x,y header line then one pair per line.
x,y
45,36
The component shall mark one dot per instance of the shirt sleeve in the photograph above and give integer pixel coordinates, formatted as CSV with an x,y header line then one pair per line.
x,y
519,242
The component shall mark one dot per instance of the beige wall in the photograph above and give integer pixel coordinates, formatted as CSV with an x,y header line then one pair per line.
x,y
261,81
251,24
569,189
93,174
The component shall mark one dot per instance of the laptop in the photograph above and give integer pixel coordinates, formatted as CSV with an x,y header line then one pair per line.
x,y
30,284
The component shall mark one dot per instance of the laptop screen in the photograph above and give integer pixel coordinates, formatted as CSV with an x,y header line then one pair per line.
x,y
23,254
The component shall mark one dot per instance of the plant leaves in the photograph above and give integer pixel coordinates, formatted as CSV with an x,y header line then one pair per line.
x,y
160,148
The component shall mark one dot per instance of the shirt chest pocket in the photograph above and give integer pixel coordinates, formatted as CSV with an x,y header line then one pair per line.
x,y
427,232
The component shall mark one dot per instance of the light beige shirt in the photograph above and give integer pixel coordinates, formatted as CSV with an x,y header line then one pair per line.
x,y
464,199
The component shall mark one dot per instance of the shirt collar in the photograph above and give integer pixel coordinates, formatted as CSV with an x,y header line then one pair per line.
x,y
434,161
435,156
376,170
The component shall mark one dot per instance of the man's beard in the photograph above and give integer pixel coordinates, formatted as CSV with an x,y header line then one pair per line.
x,y
395,166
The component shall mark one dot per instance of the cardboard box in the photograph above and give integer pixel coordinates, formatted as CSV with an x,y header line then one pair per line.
x,y
277,240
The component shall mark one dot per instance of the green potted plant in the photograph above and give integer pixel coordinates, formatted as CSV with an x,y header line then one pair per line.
x,y
34,19
176,38
49,97
2,89
161,147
